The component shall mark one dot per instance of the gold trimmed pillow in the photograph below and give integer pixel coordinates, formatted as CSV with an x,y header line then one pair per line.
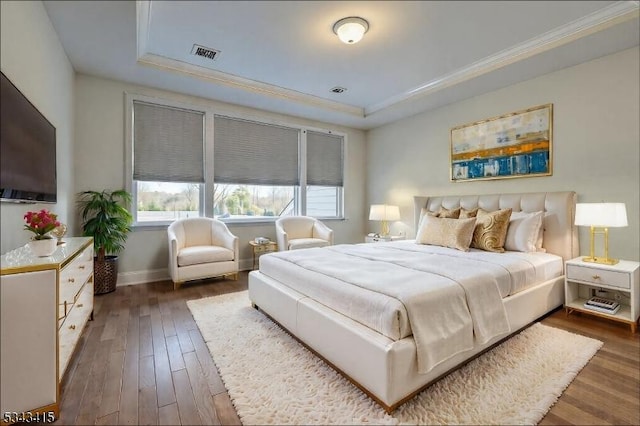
x,y
465,214
446,232
491,230
449,213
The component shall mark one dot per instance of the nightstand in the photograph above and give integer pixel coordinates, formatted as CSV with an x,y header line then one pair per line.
x,y
621,281
369,239
259,249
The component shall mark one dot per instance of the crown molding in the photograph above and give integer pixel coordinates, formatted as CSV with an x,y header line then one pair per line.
x,y
604,18
247,85
143,25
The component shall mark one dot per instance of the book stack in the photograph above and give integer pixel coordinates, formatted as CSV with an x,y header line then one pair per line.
x,y
600,304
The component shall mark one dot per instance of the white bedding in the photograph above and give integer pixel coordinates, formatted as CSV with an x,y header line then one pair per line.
x,y
397,284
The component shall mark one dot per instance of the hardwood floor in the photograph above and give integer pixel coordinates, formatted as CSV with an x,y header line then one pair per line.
x,y
607,389
143,361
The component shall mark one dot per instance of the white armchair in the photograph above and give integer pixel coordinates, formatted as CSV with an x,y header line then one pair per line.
x,y
201,247
297,232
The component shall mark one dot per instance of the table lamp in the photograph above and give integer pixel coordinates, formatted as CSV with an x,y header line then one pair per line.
x,y
600,217
384,213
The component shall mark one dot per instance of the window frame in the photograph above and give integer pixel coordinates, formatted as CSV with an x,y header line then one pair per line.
x,y
206,188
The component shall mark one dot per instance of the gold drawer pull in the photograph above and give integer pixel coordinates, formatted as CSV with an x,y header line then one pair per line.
x,y
71,280
596,277
65,308
72,327
81,266
79,305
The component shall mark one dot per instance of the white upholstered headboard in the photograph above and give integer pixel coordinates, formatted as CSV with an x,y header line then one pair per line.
x,y
560,233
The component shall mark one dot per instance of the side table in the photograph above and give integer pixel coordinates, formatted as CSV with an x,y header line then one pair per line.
x,y
373,239
622,280
260,249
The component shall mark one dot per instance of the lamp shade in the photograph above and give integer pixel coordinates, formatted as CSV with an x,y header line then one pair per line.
x,y
350,30
384,212
601,215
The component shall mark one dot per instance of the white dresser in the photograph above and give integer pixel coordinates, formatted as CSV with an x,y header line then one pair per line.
x,y
46,303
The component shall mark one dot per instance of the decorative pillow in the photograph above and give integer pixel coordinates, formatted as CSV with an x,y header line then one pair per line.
x,y
523,232
491,230
429,212
449,213
465,214
446,232
540,240
424,212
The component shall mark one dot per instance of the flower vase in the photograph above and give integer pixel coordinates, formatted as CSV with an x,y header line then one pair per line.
x,y
42,248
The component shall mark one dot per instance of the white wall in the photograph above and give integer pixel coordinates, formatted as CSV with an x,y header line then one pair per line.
x,y
596,142
99,163
32,57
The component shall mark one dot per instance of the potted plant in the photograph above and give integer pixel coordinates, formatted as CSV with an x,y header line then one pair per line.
x,y
41,223
105,217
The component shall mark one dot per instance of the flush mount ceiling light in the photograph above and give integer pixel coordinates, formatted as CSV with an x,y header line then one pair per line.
x,y
351,30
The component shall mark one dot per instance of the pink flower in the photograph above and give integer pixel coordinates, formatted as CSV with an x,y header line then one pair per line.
x,y
41,223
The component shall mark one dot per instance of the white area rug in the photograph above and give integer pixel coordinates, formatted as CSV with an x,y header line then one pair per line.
x,y
273,379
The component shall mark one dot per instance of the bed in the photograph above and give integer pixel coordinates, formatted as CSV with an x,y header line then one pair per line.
x,y
362,309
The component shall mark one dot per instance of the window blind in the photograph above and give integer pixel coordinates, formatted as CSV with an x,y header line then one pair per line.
x,y
246,152
325,158
168,144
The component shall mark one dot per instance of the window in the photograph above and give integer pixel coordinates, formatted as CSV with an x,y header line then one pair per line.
x,y
168,162
166,201
256,169
183,162
259,171
325,168
253,201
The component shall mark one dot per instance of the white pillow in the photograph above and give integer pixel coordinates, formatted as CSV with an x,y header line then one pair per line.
x,y
423,212
524,231
541,235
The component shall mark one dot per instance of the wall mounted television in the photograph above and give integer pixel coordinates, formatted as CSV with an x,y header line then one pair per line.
x,y
27,149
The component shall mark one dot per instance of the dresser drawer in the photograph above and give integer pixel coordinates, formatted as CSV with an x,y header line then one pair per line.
x,y
598,276
74,275
72,325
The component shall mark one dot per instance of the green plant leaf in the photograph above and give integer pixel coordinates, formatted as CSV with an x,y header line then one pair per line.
x,y
105,217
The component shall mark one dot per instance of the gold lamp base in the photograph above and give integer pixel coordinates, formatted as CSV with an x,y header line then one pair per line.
x,y
594,259
603,260
384,229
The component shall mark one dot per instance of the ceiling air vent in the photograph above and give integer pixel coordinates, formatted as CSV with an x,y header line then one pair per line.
x,y
205,52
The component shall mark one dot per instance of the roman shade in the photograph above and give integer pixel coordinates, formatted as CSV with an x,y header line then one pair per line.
x,y
168,144
247,152
324,159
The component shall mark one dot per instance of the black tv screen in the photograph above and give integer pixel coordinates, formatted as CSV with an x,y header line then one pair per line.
x,y
27,149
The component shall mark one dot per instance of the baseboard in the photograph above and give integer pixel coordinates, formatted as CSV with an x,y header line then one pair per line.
x,y
153,275
142,277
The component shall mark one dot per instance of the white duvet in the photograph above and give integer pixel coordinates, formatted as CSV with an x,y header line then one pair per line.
x,y
452,300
